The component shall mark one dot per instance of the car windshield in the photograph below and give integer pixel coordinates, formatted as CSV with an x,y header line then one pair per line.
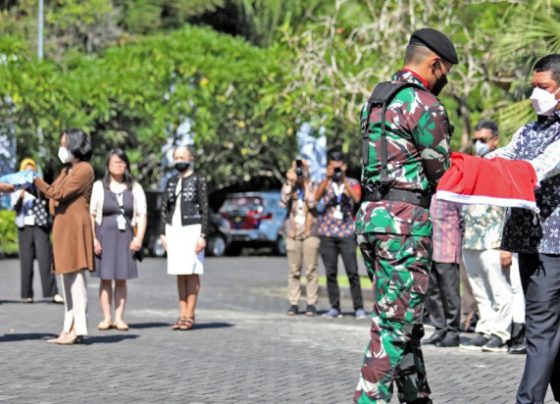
x,y
242,204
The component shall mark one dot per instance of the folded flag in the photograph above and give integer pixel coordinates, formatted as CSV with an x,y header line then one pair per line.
x,y
21,179
497,181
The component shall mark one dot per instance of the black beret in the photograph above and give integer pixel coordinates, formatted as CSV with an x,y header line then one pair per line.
x,y
437,42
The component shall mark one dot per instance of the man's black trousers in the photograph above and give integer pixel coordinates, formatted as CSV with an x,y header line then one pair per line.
x,y
443,300
540,276
34,242
330,248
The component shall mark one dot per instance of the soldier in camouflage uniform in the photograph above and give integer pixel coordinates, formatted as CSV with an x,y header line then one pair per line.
x,y
393,224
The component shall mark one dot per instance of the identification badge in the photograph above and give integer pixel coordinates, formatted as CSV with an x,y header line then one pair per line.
x,y
338,215
121,223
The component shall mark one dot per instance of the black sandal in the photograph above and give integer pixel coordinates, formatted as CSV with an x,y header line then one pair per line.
x,y
186,323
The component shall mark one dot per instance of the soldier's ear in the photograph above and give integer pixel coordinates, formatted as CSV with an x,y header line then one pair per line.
x,y
434,64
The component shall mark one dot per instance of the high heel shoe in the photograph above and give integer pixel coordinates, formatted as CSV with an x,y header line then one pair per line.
x,y
70,339
62,335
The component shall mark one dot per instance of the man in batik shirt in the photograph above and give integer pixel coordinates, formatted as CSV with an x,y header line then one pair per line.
x,y
536,237
395,236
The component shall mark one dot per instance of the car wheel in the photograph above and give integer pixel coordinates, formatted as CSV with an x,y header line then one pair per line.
x,y
157,248
217,245
280,246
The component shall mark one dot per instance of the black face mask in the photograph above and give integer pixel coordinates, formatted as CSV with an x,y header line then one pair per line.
x,y
182,166
440,83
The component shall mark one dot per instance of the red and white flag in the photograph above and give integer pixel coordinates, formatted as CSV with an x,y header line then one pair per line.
x,y
497,181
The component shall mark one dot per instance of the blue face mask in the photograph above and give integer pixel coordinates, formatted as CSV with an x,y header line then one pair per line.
x,y
481,149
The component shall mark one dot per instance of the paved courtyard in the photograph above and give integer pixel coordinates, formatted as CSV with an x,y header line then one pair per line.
x,y
243,349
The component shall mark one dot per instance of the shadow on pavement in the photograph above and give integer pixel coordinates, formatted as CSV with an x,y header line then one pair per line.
x,y
141,326
109,339
21,302
25,336
201,326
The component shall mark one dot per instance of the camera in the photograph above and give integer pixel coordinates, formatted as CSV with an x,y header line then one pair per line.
x,y
337,175
299,168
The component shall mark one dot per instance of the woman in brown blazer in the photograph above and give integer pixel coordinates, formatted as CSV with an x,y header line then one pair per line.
x,y
72,237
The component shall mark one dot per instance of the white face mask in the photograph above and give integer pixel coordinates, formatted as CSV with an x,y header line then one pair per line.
x,y
64,155
481,149
543,102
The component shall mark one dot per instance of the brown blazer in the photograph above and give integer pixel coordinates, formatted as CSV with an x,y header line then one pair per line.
x,y
69,198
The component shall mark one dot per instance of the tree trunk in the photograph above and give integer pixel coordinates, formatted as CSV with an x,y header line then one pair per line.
x,y
465,114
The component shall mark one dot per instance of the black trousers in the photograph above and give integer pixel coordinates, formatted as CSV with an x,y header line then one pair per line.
x,y
330,248
540,277
443,300
34,242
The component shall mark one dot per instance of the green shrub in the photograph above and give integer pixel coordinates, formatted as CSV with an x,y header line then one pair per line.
x,y
8,233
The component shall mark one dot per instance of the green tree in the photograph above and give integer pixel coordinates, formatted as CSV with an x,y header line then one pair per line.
x,y
530,31
145,16
350,47
229,89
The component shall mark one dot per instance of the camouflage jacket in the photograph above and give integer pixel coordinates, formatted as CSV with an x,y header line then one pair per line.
x,y
418,134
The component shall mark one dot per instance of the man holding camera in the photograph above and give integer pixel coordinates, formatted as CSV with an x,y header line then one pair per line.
x,y
301,233
336,226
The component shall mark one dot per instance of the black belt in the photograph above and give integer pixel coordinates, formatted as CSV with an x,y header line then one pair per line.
x,y
401,195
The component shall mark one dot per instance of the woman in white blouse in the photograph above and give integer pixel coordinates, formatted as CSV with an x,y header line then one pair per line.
x,y
118,214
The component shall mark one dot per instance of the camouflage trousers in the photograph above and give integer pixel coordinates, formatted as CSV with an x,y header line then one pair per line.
x,y
398,266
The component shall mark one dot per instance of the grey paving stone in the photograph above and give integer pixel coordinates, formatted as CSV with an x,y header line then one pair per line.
x,y
243,349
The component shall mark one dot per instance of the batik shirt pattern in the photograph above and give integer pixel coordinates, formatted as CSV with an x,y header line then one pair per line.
x,y
524,231
329,224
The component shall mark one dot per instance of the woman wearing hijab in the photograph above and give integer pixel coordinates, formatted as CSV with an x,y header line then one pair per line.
x,y
33,226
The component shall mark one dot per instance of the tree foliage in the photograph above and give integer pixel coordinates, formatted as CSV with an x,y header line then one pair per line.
x,y
345,52
127,72
135,96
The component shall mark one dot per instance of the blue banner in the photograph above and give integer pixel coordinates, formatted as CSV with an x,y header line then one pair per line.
x,y
312,146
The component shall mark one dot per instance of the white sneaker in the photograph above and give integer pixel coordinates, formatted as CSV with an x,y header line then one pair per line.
x,y
58,299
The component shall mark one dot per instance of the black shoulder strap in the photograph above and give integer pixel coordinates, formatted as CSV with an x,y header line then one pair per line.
x,y
381,96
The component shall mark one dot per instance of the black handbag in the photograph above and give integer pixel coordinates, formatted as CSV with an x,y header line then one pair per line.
x,y
40,210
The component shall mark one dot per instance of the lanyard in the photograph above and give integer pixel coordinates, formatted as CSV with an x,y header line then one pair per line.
x,y
338,191
120,199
